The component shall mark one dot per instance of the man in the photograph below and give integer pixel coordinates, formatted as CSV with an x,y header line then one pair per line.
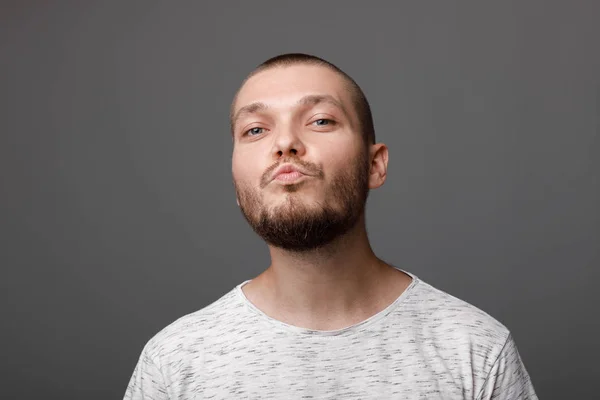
x,y
327,319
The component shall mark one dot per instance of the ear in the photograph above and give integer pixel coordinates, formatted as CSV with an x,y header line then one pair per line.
x,y
379,161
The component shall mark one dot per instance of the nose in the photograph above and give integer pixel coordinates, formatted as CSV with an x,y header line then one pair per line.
x,y
288,143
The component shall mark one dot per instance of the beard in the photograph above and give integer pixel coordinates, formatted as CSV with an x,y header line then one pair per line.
x,y
300,227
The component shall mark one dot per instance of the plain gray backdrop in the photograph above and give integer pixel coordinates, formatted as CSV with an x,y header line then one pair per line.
x,y
118,213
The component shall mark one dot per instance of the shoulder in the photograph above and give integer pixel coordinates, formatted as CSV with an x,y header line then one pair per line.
x,y
456,332
187,333
451,318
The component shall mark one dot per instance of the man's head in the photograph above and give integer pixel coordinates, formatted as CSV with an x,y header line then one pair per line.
x,y
303,112
358,98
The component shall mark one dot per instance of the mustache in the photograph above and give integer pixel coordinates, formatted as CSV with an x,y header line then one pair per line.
x,y
310,168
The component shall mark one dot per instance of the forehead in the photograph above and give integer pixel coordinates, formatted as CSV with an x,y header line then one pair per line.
x,y
285,85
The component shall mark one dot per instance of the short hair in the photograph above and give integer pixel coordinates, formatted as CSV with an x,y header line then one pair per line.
x,y
359,100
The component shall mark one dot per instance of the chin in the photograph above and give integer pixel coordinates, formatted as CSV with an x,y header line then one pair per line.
x,y
300,199
293,205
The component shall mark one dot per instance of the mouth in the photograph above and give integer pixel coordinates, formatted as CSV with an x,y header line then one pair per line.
x,y
289,173
289,177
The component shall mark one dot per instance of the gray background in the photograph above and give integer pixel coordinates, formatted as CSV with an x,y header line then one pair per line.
x,y
118,213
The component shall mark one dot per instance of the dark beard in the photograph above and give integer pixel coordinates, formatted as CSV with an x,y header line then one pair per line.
x,y
296,227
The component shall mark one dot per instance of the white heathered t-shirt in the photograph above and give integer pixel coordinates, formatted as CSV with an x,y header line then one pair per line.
x,y
426,345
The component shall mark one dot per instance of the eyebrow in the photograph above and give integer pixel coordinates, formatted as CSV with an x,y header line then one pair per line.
x,y
310,100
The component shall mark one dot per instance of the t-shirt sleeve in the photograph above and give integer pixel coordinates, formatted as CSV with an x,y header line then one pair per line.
x,y
147,381
508,378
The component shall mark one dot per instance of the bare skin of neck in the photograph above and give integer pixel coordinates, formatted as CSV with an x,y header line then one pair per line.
x,y
331,288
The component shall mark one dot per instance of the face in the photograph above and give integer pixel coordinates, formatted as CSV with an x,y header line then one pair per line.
x,y
301,117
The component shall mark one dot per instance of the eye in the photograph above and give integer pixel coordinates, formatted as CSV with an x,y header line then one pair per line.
x,y
324,122
254,131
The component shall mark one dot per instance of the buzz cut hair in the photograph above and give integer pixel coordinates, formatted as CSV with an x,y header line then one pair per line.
x,y
359,100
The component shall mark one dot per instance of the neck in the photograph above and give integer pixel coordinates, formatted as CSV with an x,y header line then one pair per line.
x,y
337,285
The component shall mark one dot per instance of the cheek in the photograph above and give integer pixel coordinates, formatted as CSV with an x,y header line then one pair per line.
x,y
337,163
245,170
338,151
239,165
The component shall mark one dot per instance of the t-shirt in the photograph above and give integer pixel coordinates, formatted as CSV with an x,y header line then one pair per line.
x,y
427,344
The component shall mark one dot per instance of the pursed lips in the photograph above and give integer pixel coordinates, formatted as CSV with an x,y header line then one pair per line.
x,y
288,173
